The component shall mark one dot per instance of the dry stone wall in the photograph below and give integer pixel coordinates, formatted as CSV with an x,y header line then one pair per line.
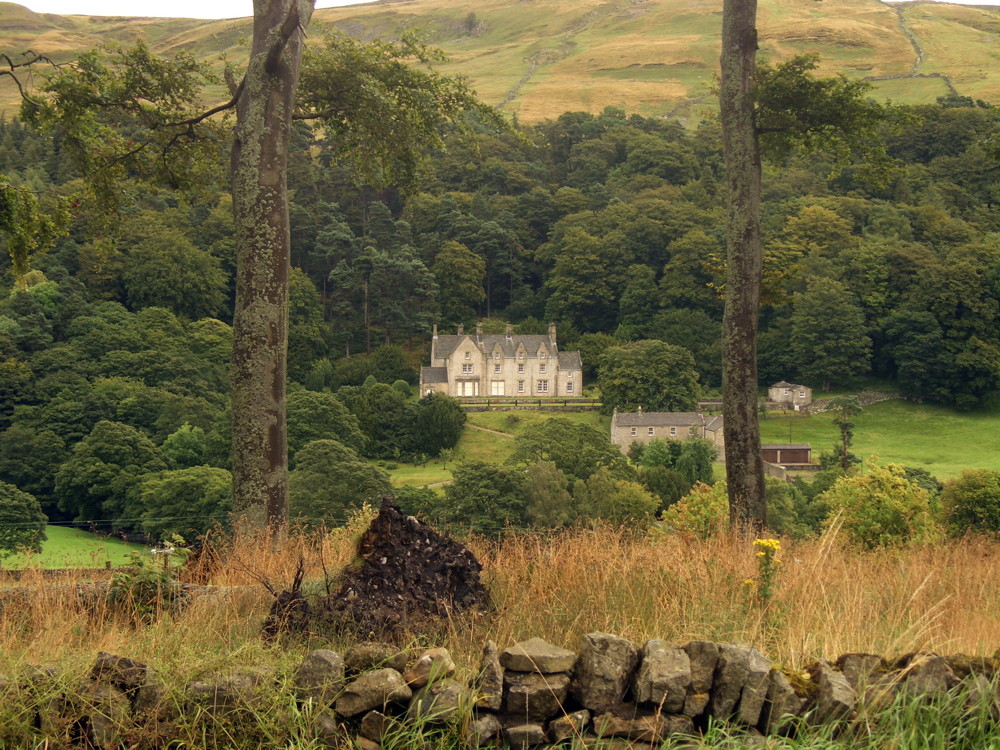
x,y
609,692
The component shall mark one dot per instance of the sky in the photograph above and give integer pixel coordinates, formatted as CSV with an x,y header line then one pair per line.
x,y
158,8
202,8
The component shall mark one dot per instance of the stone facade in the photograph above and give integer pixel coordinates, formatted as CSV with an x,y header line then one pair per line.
x,y
789,395
640,426
507,366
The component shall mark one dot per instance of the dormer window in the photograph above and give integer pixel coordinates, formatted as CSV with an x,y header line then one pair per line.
x,y
496,355
541,355
520,355
468,355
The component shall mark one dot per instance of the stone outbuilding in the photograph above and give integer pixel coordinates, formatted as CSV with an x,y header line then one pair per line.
x,y
640,426
790,396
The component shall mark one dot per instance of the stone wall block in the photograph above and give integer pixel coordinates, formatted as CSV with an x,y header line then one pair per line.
x,y
373,690
859,668
927,674
663,677
781,705
320,676
835,698
638,724
376,725
108,710
433,664
568,726
536,655
604,670
439,701
521,736
481,731
754,689
368,655
226,693
728,680
704,655
533,697
489,682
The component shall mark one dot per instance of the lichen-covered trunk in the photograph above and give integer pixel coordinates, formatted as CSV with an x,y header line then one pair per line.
x,y
744,467
260,207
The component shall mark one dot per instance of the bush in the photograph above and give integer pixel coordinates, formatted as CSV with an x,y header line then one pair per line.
x,y
403,387
972,501
22,523
881,508
703,512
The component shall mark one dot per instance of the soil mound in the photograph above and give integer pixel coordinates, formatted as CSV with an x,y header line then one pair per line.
x,y
407,578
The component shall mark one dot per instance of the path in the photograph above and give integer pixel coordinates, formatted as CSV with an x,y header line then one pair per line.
x,y
918,51
487,429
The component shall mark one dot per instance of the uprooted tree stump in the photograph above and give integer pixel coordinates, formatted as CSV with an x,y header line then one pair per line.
x,y
410,578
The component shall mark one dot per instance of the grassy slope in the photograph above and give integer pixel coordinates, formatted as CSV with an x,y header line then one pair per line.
x,y
550,56
936,438
73,548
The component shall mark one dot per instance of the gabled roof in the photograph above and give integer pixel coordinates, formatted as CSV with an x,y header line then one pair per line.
x,y
783,384
448,344
713,423
658,419
570,361
433,375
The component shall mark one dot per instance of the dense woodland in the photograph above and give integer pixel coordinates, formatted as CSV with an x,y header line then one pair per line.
x,y
113,361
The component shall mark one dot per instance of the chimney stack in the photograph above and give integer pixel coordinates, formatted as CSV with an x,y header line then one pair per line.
x,y
510,331
461,329
552,333
479,330
434,333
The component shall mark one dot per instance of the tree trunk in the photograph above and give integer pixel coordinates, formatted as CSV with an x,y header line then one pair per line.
x,y
260,208
744,466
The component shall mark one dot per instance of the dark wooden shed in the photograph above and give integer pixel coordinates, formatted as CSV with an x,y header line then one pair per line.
x,y
787,453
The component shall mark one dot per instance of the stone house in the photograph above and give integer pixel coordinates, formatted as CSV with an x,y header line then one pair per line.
x,y
630,427
790,396
511,366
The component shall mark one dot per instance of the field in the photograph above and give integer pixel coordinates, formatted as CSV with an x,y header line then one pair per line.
x,y
539,58
72,548
941,440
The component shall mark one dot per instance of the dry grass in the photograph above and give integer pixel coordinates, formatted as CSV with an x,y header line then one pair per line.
x,y
829,600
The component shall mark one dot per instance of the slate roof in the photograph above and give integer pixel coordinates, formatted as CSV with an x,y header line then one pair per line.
x,y
658,419
785,446
433,374
447,344
714,423
570,361
783,384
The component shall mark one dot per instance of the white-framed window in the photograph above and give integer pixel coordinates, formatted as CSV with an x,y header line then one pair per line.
x,y
496,355
543,386
520,355
466,369
541,369
802,394
633,431
468,355
673,432
649,431
569,387
520,386
541,355
520,369
468,388
786,392
496,387
569,375
496,369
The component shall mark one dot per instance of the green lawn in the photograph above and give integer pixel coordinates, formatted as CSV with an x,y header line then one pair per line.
x,y
513,422
73,548
941,440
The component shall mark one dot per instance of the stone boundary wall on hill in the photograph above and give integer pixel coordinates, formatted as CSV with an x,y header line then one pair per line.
x,y
531,694
865,398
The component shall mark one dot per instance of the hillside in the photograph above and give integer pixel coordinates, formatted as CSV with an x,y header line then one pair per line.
x,y
540,58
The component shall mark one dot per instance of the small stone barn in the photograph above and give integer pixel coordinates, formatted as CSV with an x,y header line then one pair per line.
x,y
790,396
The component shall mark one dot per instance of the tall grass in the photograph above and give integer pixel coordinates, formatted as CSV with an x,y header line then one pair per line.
x,y
828,599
